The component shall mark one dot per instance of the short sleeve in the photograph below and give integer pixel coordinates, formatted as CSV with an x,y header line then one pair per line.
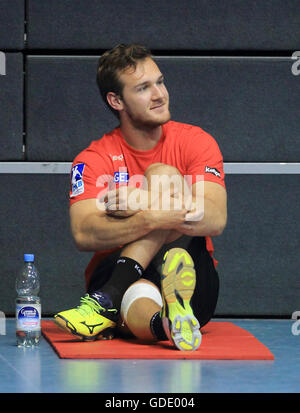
x,y
204,160
89,177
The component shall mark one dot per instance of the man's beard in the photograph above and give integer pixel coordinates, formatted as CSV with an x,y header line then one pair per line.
x,y
139,123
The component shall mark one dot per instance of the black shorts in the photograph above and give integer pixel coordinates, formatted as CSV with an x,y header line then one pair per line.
x,y
206,292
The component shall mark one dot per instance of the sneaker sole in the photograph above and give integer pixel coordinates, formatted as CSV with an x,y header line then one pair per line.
x,y
178,282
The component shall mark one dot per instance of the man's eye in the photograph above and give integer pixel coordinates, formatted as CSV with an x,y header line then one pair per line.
x,y
140,89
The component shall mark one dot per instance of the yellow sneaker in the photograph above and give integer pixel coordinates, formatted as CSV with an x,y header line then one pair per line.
x,y
178,280
90,320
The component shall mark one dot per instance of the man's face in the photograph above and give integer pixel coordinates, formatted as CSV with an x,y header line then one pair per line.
x,y
145,97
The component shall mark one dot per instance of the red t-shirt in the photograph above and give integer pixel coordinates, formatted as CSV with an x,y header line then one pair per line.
x,y
190,149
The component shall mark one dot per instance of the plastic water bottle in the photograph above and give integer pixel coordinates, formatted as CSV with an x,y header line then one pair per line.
x,y
28,305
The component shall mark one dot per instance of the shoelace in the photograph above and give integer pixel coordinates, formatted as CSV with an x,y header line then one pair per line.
x,y
88,305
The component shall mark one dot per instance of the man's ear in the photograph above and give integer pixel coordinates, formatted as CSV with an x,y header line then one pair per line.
x,y
114,101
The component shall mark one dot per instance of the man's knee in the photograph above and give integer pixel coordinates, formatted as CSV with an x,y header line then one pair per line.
x,y
141,289
140,301
164,179
161,169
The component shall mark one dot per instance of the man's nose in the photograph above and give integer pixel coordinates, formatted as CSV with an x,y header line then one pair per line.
x,y
157,92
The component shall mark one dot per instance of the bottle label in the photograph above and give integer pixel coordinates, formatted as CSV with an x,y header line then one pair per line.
x,y
28,317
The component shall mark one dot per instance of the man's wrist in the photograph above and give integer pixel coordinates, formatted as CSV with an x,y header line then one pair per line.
x,y
148,222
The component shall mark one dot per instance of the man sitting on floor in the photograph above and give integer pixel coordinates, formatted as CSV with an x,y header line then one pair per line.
x,y
146,198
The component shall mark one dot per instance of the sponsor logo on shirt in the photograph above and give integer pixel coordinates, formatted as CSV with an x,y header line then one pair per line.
x,y
213,171
77,183
121,177
117,157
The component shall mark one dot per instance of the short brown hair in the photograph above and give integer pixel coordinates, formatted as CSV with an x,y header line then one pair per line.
x,y
114,61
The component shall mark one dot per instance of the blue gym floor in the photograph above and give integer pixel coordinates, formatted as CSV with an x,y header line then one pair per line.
x,y
39,370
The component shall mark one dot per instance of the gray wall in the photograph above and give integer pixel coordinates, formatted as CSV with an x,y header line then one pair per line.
x,y
228,69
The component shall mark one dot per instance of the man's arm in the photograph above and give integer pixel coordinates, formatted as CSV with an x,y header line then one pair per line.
x,y
209,216
95,230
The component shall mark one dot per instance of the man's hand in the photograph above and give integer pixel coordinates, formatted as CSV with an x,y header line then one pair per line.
x,y
125,201
208,214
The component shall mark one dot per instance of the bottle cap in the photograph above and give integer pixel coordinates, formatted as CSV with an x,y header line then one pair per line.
x,y
29,257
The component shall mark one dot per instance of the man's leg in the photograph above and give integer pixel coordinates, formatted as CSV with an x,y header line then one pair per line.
x,y
144,249
141,304
139,313
176,321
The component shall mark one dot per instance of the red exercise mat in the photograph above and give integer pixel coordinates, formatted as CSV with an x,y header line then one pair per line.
x,y
220,341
